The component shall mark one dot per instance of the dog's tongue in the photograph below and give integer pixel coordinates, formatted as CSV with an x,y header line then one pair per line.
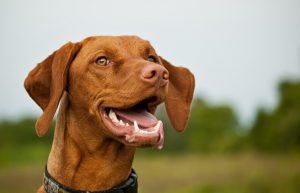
x,y
142,117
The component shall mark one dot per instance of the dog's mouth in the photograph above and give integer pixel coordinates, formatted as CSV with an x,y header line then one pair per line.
x,y
136,125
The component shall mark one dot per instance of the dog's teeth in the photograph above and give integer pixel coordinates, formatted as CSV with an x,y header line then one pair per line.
x,y
130,139
144,131
127,125
136,127
112,115
121,123
156,128
160,147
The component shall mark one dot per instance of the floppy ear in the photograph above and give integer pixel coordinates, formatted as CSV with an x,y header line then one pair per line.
x,y
180,95
47,81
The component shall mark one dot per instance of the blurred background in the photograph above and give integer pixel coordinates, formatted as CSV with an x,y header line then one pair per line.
x,y
244,130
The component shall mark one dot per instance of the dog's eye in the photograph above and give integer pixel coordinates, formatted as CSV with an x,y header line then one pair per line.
x,y
102,61
152,59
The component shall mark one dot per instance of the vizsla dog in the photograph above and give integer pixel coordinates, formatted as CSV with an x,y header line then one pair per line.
x,y
108,88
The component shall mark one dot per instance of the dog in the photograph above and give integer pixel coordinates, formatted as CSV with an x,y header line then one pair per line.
x,y
107,89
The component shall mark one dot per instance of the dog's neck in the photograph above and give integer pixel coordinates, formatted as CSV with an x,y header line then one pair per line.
x,y
80,152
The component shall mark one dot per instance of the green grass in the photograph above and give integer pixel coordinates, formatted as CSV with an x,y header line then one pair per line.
x,y
26,155
242,173
220,174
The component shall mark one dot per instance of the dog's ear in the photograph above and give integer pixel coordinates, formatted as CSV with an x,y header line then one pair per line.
x,y
180,94
47,81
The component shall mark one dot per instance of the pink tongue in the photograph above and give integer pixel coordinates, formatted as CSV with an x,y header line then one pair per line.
x,y
142,117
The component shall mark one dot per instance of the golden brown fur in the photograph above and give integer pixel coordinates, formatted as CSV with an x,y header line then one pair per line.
x,y
85,154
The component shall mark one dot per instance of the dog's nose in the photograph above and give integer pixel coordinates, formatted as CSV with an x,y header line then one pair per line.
x,y
155,74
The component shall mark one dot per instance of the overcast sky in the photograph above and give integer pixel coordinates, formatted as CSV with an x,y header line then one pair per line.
x,y
238,50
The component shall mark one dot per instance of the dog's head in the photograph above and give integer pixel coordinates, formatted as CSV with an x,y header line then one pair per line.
x,y
119,81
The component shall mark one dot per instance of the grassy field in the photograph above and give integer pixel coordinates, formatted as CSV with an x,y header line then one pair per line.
x,y
242,173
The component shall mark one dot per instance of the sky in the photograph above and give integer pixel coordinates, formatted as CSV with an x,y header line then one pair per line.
x,y
238,50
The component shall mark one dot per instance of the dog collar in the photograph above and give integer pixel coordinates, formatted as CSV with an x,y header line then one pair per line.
x,y
53,186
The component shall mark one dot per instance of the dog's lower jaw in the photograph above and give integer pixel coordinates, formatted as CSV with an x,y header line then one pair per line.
x,y
84,160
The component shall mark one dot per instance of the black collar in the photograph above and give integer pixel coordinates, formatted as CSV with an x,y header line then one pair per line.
x,y
53,186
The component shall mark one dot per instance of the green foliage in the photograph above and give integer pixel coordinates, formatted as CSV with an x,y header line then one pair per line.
x,y
16,133
279,130
211,128
19,142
